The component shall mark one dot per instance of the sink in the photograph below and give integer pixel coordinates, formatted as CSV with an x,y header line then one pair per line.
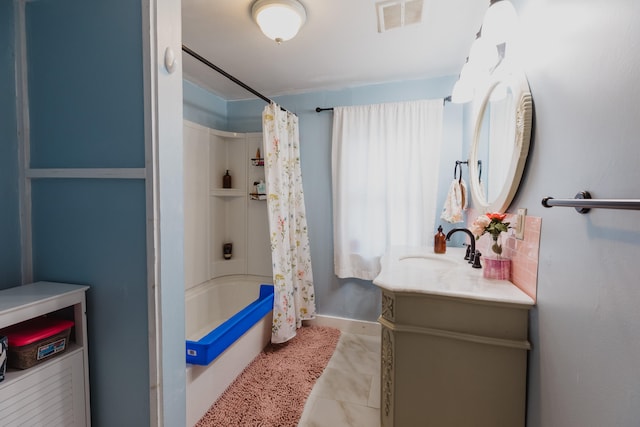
x,y
416,270
429,260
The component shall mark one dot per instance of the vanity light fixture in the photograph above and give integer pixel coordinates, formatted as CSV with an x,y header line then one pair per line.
x,y
487,52
280,20
500,22
464,88
481,61
462,92
483,54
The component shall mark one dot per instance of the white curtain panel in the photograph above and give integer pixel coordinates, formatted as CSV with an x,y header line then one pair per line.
x,y
385,164
294,296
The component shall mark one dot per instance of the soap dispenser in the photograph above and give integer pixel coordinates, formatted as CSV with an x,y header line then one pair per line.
x,y
439,242
226,180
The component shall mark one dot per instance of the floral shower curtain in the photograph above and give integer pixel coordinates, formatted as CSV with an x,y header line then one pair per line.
x,y
294,298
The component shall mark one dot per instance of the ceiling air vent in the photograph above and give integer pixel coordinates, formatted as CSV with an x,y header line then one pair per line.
x,y
398,13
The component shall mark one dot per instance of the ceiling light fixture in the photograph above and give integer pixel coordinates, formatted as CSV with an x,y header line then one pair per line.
x,y
280,20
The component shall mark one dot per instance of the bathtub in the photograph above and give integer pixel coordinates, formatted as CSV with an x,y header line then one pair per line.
x,y
228,323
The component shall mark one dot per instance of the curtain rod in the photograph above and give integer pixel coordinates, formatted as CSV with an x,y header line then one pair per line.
x,y
319,109
229,76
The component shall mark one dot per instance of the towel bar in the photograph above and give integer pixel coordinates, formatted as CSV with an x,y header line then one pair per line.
x,y
583,203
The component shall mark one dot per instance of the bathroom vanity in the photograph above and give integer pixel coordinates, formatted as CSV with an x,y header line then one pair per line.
x,y
454,345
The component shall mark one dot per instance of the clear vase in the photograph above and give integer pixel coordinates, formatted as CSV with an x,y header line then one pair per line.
x,y
496,246
497,265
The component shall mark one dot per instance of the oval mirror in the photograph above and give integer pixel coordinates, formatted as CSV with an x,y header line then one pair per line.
x,y
502,132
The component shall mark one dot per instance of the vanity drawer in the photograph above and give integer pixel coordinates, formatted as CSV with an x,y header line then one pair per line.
x,y
456,315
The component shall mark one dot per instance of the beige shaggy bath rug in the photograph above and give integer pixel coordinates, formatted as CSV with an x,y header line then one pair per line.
x,y
273,389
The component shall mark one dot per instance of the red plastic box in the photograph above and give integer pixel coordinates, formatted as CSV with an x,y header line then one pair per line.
x,y
36,340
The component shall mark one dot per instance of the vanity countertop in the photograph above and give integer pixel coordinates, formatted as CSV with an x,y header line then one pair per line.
x,y
420,270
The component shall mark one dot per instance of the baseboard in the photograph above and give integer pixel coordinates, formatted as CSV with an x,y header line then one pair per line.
x,y
346,325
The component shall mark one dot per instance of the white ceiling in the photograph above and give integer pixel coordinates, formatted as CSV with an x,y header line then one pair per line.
x,y
338,47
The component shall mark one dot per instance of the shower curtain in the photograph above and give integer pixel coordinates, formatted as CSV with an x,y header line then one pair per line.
x,y
294,298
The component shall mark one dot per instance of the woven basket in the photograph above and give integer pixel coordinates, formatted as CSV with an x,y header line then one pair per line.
x,y
27,356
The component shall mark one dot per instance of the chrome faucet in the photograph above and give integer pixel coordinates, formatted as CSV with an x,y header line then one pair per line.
x,y
474,256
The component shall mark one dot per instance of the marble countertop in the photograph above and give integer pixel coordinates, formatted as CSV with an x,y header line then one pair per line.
x,y
420,270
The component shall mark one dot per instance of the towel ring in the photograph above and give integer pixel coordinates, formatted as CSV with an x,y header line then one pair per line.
x,y
459,163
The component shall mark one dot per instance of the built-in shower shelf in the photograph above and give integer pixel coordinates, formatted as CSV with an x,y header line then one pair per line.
x,y
227,192
258,196
214,215
257,161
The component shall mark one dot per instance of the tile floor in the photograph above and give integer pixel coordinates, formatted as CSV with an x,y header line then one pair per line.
x,y
347,394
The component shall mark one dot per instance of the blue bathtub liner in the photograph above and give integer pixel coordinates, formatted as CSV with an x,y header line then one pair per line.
x,y
206,349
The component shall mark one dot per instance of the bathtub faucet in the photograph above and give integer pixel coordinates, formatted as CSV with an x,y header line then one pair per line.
x,y
474,256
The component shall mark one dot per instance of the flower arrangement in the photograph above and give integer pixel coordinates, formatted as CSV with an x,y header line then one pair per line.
x,y
492,223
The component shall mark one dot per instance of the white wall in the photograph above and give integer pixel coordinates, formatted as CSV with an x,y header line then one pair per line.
x,y
582,60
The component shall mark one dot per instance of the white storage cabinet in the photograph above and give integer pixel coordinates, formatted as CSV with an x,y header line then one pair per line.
x,y
54,392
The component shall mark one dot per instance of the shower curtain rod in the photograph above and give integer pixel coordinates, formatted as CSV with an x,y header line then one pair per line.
x,y
319,109
240,83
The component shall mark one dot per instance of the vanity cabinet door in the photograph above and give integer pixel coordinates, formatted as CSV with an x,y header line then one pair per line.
x,y
387,378
450,362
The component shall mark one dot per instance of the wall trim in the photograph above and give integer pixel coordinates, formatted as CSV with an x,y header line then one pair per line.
x,y
459,336
353,326
24,141
88,173
154,309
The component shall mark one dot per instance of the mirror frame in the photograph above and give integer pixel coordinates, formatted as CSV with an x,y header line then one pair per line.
x,y
523,103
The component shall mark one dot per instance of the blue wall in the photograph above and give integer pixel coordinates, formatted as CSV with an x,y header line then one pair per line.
x,y
582,61
203,107
10,274
85,84
350,298
87,111
94,232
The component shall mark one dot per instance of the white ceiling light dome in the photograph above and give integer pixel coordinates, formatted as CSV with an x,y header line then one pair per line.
x,y
280,20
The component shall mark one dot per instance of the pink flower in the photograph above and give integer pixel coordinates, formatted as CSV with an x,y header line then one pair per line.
x,y
479,225
491,223
497,216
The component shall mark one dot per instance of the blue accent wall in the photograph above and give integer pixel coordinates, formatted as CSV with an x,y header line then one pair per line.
x,y
86,100
94,232
85,84
10,267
